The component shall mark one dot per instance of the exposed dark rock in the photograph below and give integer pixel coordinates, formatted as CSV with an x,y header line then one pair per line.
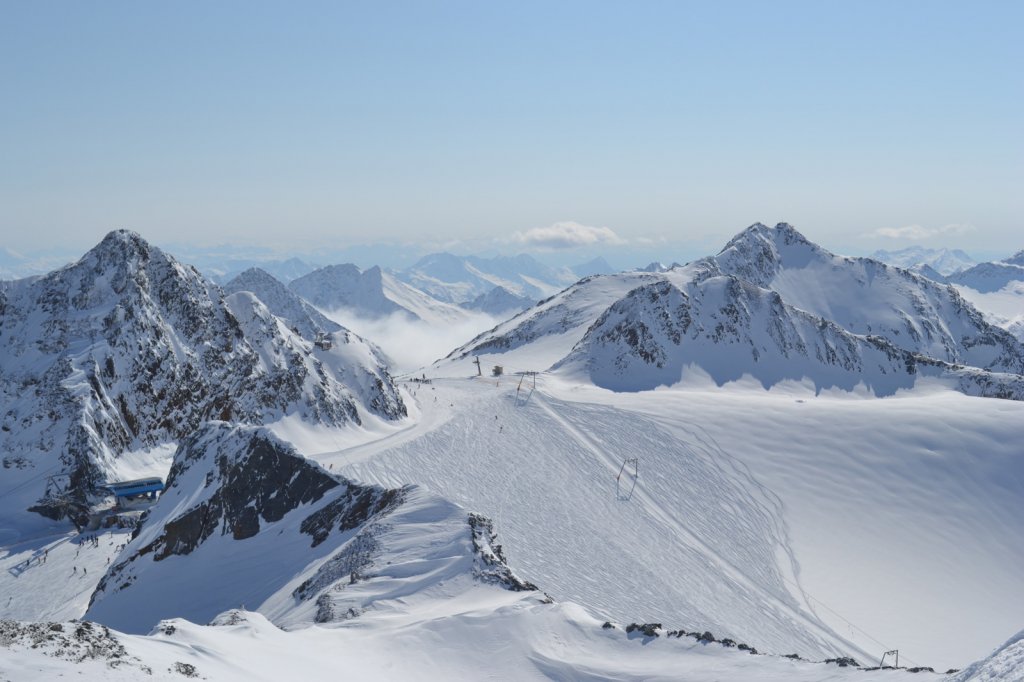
x,y
646,629
350,511
74,641
264,483
490,563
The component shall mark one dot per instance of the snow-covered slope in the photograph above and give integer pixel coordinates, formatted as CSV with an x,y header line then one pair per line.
x,y
127,349
549,330
372,293
1003,308
500,635
928,271
282,302
337,575
756,515
943,261
1005,664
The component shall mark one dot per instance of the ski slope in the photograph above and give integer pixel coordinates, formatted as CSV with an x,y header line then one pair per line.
x,y
795,522
494,636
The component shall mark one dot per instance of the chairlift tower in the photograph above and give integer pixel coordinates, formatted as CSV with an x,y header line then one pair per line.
x,y
630,468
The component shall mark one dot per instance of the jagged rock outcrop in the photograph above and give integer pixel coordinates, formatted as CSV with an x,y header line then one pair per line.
x,y
866,297
235,494
247,520
771,305
729,328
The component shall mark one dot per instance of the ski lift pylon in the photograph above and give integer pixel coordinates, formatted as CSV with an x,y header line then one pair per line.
x,y
623,487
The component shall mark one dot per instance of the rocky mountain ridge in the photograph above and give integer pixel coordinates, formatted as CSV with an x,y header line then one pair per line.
x,y
127,348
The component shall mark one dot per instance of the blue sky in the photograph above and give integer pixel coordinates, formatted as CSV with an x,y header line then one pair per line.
x,y
476,126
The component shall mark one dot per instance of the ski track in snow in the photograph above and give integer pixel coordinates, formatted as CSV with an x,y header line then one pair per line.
x,y
741,504
484,463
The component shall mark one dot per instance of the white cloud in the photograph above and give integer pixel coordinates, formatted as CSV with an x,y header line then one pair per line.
x,y
917,233
566,235
410,344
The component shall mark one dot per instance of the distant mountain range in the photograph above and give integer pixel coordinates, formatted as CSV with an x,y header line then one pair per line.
x,y
462,279
942,261
988,277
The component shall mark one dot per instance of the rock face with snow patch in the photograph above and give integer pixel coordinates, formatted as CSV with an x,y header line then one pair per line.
x,y
128,348
234,494
728,327
247,520
870,298
773,305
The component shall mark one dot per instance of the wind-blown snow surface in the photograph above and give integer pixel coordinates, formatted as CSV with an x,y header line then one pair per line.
x,y
878,505
351,574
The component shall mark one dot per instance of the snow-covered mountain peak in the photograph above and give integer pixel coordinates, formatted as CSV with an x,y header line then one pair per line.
x,y
771,304
759,252
125,243
129,349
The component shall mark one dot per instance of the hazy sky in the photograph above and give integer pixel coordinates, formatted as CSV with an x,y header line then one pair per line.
x,y
471,126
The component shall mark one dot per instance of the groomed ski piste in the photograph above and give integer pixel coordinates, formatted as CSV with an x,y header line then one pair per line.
x,y
802,522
